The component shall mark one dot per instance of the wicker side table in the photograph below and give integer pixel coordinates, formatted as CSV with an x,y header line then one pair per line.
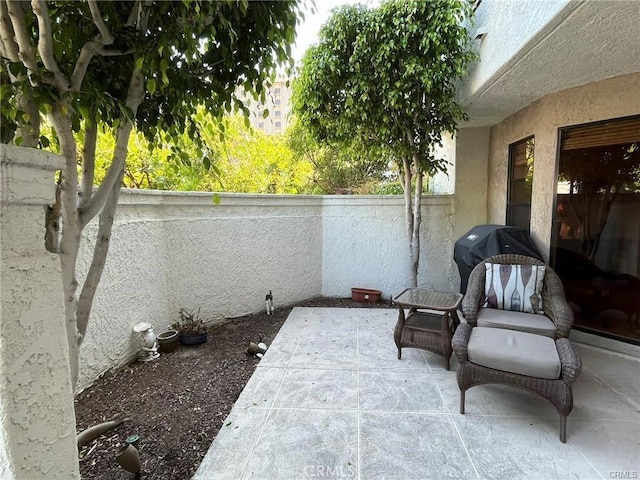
x,y
430,330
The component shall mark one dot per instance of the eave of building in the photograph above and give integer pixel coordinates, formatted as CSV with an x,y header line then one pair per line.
x,y
586,41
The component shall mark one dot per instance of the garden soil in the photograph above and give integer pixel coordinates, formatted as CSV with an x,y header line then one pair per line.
x,y
177,403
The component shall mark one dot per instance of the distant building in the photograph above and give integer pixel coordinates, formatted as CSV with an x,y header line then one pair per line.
x,y
278,102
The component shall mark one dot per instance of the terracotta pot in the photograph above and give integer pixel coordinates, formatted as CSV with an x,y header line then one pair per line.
x,y
365,295
168,341
128,458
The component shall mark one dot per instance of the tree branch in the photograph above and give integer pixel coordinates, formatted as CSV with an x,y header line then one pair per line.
x,y
88,51
98,261
71,232
9,48
92,47
45,44
26,52
30,130
107,38
107,196
134,97
88,162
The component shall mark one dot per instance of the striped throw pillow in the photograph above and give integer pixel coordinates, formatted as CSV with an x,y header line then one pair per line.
x,y
514,287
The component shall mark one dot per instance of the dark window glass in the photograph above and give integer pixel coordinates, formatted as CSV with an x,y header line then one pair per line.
x,y
520,179
597,234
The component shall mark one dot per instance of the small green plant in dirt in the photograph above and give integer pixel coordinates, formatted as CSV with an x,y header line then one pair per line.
x,y
190,323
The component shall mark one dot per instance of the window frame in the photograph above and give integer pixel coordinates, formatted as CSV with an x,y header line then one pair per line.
x,y
510,182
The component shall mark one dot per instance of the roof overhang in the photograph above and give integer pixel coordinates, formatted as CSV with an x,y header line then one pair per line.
x,y
587,41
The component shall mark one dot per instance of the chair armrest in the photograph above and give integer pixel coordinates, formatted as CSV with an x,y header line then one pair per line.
x,y
555,305
460,341
474,297
569,360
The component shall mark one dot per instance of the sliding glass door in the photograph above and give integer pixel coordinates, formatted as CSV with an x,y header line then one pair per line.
x,y
597,228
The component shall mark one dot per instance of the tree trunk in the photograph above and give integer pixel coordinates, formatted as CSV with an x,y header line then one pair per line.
x,y
415,234
412,216
71,233
105,199
78,213
105,224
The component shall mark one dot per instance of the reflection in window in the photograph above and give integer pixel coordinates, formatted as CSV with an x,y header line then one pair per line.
x,y
597,235
520,180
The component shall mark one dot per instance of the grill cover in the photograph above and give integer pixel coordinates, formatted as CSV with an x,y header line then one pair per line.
x,y
483,241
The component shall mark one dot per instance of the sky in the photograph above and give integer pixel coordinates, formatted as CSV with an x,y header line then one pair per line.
x,y
307,32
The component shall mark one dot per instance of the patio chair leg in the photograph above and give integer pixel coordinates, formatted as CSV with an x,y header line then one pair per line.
x,y
399,353
563,428
462,392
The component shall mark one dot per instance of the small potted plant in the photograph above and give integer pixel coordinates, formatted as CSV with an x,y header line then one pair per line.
x,y
191,327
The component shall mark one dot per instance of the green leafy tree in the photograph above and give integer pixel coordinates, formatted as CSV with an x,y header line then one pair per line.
x,y
242,160
254,162
339,169
120,63
386,77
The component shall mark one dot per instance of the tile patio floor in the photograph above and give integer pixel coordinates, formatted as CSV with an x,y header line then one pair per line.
x,y
331,400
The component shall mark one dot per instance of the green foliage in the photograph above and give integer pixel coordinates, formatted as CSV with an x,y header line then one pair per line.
x,y
386,77
253,162
340,169
190,53
242,160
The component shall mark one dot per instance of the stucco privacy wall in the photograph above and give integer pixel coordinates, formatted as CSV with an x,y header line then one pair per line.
x,y
612,98
244,247
171,250
37,420
364,244
133,287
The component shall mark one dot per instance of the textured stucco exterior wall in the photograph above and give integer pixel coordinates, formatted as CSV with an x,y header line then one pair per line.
x,y
509,26
172,250
472,153
443,183
616,97
365,244
246,246
133,289
37,420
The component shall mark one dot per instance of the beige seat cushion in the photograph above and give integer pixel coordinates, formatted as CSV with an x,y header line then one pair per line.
x,y
515,352
523,322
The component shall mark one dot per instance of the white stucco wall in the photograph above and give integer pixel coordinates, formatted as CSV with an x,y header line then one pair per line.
x,y
535,47
171,250
37,420
443,183
472,153
365,245
509,26
616,97
246,246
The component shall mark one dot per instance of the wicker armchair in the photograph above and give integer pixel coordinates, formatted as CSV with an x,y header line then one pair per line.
x,y
555,304
558,391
